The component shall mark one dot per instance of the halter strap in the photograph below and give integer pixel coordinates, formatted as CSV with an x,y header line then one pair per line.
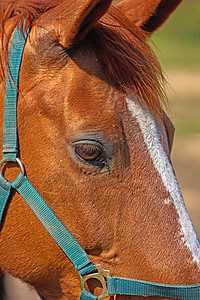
x,y
60,234
57,230
10,142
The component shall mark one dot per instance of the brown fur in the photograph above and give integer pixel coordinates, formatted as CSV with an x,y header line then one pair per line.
x,y
120,44
149,15
162,12
71,90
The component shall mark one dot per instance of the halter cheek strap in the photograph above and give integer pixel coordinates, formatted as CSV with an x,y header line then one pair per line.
x,y
60,234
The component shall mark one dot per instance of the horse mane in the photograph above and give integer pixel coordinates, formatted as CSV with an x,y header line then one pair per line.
x,y
128,58
121,46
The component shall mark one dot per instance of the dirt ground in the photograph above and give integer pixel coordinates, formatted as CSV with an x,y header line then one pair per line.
x,y
185,84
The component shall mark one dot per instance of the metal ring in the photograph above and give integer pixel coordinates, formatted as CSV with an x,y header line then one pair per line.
x,y
15,160
100,276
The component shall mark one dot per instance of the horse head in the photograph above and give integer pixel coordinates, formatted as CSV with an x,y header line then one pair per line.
x,y
95,142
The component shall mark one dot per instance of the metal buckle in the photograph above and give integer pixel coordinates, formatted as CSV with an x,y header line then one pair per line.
x,y
100,276
16,160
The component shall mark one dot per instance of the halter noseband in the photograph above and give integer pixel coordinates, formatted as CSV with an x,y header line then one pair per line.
x,y
73,250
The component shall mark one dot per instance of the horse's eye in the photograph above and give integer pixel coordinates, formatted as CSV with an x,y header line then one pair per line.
x,y
90,153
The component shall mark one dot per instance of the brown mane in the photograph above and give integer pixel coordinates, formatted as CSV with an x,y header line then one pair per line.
x,y
121,46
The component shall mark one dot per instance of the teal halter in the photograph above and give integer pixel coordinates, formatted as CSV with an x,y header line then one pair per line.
x,y
73,250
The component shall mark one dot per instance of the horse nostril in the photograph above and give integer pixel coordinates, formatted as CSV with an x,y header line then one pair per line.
x,y
94,251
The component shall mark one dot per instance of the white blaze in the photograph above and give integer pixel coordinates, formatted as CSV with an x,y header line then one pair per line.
x,y
162,164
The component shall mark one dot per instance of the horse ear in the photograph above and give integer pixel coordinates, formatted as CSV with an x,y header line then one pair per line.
x,y
73,19
148,14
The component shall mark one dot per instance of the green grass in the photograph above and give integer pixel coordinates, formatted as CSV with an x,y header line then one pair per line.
x,y
185,115
178,40
178,47
175,53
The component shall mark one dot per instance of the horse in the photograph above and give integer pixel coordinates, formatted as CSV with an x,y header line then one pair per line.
x,y
95,142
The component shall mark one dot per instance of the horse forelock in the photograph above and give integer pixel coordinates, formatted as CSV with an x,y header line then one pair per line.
x,y
122,48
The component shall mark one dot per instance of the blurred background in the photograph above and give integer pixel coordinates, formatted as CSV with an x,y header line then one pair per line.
x,y
178,49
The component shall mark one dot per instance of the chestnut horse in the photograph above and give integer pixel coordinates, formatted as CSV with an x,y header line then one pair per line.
x,y
95,143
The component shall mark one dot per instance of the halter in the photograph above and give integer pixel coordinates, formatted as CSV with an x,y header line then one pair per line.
x,y
73,250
